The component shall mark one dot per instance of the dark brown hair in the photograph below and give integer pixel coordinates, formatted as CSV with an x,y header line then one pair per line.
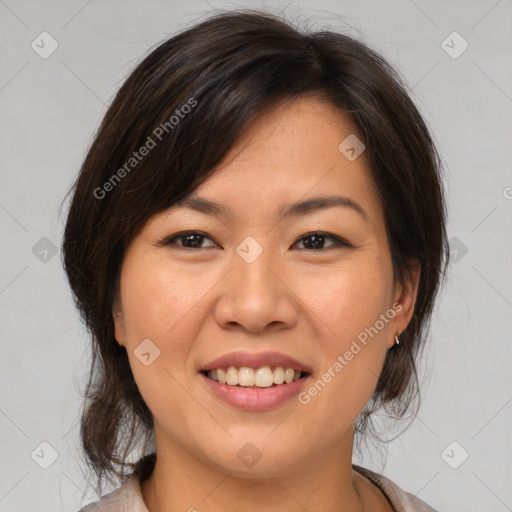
x,y
227,69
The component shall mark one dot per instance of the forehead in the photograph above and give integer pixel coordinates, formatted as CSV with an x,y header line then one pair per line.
x,y
291,152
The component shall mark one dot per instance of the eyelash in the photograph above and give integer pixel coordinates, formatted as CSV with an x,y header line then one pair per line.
x,y
340,242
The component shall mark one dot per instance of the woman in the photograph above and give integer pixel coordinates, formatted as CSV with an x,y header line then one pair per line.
x,y
255,241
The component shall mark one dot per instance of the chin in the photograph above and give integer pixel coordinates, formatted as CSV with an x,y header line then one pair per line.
x,y
255,456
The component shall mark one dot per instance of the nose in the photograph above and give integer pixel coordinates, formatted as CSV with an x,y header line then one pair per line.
x,y
257,296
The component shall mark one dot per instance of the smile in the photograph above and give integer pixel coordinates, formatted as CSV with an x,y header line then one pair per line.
x,y
255,381
263,377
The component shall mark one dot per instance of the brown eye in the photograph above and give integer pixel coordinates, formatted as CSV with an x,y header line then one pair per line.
x,y
188,239
316,241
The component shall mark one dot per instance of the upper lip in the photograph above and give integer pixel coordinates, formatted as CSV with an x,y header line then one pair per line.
x,y
256,360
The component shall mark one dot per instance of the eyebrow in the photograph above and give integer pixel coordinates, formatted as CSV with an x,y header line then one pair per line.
x,y
300,208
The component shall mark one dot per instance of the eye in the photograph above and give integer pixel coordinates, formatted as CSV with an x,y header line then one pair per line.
x,y
192,239
316,241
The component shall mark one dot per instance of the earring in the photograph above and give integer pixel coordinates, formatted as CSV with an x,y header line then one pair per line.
x,y
397,340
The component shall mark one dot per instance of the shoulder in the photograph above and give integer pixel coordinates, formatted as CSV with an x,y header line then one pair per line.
x,y
399,499
126,498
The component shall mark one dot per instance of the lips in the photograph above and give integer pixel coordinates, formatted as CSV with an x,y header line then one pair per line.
x,y
255,398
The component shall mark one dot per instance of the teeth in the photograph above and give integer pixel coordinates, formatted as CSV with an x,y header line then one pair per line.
x,y
246,376
262,377
279,375
232,376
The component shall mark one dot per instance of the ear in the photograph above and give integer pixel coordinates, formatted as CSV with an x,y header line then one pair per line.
x,y
117,317
404,301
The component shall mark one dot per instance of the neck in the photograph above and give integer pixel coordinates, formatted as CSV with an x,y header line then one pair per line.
x,y
180,481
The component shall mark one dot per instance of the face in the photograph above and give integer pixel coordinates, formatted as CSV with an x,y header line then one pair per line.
x,y
262,286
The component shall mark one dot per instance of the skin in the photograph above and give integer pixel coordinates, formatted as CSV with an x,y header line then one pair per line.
x,y
197,304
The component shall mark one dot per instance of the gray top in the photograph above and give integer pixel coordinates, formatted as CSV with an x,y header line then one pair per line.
x,y
128,497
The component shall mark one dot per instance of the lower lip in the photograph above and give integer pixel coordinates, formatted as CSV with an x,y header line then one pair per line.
x,y
255,399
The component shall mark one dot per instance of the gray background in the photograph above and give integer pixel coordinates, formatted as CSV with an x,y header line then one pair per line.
x,y
50,110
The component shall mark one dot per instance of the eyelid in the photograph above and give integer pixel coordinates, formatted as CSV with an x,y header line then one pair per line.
x,y
339,241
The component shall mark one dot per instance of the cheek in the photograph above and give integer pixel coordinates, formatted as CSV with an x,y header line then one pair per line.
x,y
160,308
349,298
156,303
350,303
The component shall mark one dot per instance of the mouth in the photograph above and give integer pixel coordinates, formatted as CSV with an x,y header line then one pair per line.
x,y
253,381
261,377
